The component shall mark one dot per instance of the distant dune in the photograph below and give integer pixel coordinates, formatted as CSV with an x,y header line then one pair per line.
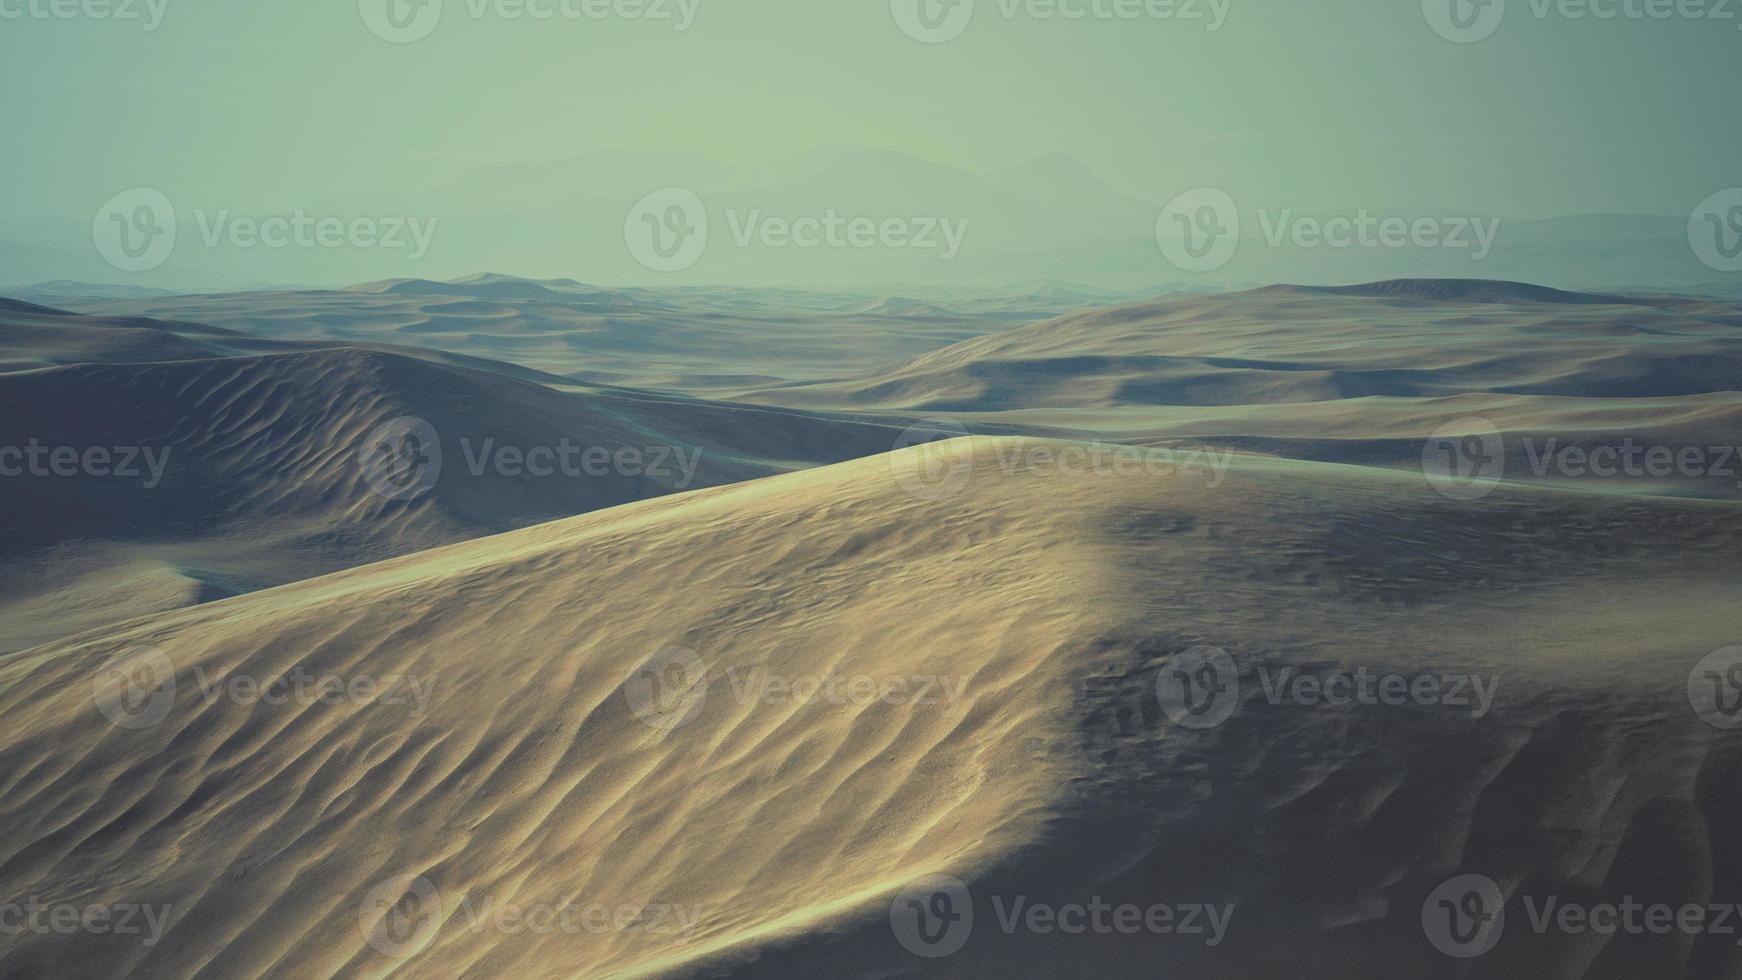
x,y
717,342
1361,374
356,838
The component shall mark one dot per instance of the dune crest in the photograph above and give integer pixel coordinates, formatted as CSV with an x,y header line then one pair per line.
x,y
1046,593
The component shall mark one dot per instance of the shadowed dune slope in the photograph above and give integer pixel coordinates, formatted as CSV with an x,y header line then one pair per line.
x,y
225,474
283,836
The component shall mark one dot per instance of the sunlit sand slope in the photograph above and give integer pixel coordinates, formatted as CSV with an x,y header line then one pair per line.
x,y
1360,374
1012,609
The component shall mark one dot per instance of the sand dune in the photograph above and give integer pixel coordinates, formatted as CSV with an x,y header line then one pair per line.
x,y
1362,374
224,474
361,838
714,342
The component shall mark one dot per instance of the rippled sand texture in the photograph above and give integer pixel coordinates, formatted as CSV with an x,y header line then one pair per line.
x,y
1050,599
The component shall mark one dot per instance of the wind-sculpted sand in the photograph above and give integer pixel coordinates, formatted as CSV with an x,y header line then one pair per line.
x,y
193,467
1360,374
600,714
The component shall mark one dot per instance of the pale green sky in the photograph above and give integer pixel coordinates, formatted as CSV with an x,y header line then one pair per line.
x,y
1336,104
